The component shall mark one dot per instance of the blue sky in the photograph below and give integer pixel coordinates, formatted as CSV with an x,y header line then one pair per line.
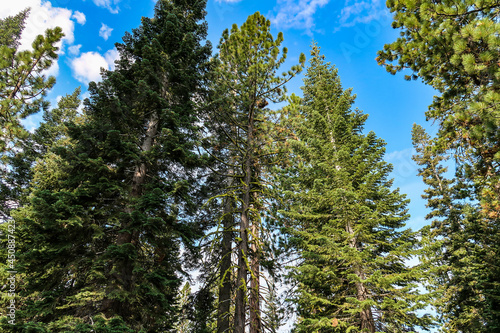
x,y
349,32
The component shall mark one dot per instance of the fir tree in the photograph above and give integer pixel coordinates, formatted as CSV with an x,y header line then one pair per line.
x,y
343,219
109,211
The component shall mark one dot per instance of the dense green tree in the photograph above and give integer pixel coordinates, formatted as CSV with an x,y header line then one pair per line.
x,y
22,82
22,89
246,81
14,187
460,248
345,223
454,47
102,235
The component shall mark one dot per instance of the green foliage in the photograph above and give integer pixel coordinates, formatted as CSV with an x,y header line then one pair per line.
x,y
15,181
454,47
460,247
111,204
343,219
243,142
23,84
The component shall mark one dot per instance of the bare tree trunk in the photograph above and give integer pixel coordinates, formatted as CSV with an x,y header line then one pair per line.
x,y
255,318
367,321
241,293
223,317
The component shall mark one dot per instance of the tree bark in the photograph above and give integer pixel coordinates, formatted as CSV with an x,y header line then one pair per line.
x,y
366,315
223,317
241,294
255,319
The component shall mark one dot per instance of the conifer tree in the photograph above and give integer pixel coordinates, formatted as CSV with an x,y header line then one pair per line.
x,y
51,132
345,223
454,47
15,188
22,89
247,82
22,82
109,211
460,249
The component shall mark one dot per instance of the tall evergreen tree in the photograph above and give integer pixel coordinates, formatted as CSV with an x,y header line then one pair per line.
x,y
246,82
454,47
343,219
108,213
22,89
460,249
51,133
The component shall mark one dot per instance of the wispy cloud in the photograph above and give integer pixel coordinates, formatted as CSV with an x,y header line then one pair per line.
x,y
111,5
297,14
105,31
361,11
74,49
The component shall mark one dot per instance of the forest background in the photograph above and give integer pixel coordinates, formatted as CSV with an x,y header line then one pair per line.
x,y
359,30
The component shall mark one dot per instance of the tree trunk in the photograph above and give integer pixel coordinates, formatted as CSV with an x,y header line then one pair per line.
x,y
223,317
255,319
241,294
362,294
123,278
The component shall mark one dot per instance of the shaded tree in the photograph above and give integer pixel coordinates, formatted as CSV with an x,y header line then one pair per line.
x,y
109,212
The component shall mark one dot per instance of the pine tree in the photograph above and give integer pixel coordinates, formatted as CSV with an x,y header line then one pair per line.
x,y
454,47
460,249
52,132
22,89
246,83
23,84
14,188
345,223
109,211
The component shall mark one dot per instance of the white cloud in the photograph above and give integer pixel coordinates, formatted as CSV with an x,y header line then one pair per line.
x,y
298,14
105,31
111,5
79,17
44,16
111,56
87,67
74,49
